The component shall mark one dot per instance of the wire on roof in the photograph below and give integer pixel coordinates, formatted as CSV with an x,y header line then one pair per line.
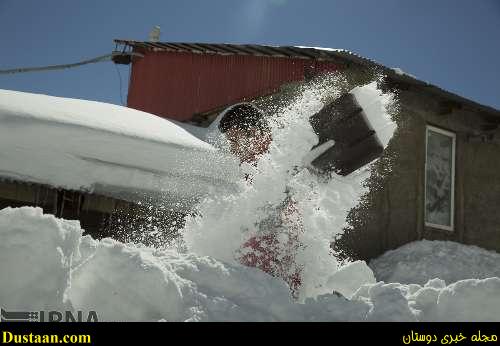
x,y
66,66
121,88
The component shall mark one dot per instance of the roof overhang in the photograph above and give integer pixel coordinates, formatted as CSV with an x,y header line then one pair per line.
x,y
392,78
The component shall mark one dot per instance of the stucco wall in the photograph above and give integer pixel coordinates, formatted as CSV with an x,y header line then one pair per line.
x,y
392,214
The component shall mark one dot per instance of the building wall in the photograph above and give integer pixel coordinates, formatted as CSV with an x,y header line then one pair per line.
x,y
392,214
99,216
91,210
179,85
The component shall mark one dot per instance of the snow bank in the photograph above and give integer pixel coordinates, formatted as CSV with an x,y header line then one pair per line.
x,y
466,301
421,261
36,252
124,285
50,266
107,149
469,300
129,283
348,278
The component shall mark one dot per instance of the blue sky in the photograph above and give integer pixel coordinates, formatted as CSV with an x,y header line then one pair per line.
x,y
454,44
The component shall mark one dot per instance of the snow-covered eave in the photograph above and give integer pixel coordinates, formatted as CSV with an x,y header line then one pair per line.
x,y
98,116
104,149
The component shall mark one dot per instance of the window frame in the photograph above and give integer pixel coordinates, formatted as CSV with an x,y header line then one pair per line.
x,y
453,135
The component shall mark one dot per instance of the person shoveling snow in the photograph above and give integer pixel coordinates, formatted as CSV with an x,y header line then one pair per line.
x,y
249,137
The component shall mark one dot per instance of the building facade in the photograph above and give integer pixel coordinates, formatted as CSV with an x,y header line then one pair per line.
x,y
439,177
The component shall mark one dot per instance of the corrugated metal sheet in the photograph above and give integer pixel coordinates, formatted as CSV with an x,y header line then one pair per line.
x,y
336,56
241,49
178,84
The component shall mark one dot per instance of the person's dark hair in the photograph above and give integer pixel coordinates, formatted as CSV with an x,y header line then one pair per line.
x,y
245,117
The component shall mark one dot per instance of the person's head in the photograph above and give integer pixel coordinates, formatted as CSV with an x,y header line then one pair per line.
x,y
247,131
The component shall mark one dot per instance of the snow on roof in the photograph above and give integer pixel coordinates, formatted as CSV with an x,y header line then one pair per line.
x,y
96,115
400,72
103,148
326,49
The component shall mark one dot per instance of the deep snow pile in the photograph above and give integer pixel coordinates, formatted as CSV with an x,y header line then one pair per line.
x,y
49,265
103,148
421,261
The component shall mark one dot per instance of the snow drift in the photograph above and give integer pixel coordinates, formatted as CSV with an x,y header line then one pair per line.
x,y
106,149
421,261
49,265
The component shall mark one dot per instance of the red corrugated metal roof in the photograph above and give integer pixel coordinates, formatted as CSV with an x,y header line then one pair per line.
x,y
178,84
309,53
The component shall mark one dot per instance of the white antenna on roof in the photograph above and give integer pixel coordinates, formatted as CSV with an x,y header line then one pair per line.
x,y
154,35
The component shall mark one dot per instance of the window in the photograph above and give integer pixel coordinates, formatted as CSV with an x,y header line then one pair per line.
x,y
439,178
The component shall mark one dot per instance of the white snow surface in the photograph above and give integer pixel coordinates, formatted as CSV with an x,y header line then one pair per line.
x,y
103,148
327,49
95,115
374,104
49,265
400,71
421,261
348,278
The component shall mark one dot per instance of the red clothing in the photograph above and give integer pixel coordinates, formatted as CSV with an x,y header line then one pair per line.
x,y
275,247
